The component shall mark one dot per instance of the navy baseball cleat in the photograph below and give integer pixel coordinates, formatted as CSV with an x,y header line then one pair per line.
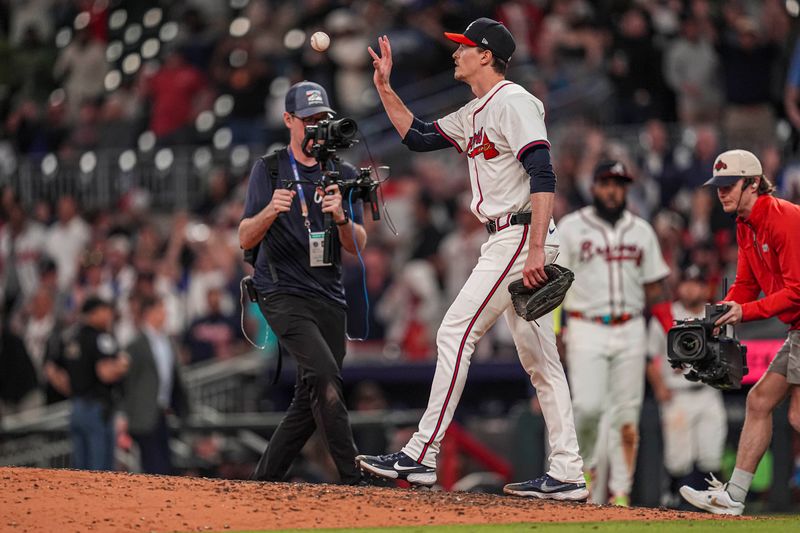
x,y
397,466
548,488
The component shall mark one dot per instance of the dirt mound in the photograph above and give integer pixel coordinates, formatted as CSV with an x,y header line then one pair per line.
x,y
68,500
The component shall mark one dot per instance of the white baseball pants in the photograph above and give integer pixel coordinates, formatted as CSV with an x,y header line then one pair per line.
x,y
606,367
480,303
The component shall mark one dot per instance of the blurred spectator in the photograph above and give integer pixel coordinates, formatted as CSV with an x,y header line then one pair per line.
x,y
177,91
153,387
691,69
22,243
66,240
371,439
214,335
39,325
17,374
635,69
81,68
377,263
31,68
243,75
748,60
657,160
88,368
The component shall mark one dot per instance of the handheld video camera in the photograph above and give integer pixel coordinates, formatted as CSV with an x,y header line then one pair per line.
x,y
716,360
327,136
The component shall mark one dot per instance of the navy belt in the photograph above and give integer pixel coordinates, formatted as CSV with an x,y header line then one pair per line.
x,y
514,219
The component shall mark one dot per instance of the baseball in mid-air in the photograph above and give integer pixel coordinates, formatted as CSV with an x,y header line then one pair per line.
x,y
320,41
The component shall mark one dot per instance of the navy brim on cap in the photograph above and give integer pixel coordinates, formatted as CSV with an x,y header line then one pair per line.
x,y
311,111
722,181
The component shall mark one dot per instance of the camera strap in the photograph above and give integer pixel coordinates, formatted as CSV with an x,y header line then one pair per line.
x,y
300,193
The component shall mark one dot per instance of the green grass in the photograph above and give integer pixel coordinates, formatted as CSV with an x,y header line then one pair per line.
x,y
778,525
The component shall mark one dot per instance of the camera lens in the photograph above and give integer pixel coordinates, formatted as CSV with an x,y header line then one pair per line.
x,y
688,344
345,128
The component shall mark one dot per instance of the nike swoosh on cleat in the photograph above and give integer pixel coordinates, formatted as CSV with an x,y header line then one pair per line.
x,y
403,468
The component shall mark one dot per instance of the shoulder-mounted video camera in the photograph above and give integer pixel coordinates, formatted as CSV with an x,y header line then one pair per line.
x,y
716,360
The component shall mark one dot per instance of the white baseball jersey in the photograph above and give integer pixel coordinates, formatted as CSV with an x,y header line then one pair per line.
x,y
657,346
495,131
611,264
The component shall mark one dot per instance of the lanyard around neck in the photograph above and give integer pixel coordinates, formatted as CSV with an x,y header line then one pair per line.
x,y
300,193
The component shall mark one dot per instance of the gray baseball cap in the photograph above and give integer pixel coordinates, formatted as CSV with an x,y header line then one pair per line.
x,y
307,98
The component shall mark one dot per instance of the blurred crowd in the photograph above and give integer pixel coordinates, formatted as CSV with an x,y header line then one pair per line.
x,y
663,85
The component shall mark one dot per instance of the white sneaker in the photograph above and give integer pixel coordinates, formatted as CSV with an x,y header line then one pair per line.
x,y
714,500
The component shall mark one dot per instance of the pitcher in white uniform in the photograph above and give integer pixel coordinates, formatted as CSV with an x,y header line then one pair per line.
x,y
503,134
618,267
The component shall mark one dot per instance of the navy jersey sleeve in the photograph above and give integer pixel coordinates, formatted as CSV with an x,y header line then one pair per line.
x,y
536,161
426,137
259,190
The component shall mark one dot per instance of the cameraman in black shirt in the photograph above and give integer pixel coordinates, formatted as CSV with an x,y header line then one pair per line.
x,y
86,367
301,296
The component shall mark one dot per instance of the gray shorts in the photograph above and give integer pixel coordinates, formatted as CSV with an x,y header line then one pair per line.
x,y
787,361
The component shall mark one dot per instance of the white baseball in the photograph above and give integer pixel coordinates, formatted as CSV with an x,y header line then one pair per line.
x,y
320,41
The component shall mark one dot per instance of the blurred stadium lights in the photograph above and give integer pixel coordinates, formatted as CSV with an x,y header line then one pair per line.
x,y
168,31
222,138
239,27
204,121
57,97
127,160
82,20
783,130
150,48
240,157
238,4
112,81
117,19
114,51
238,58
63,37
164,159
131,63
202,158
88,162
133,33
49,164
8,159
223,105
147,140
793,8
279,87
294,39
152,17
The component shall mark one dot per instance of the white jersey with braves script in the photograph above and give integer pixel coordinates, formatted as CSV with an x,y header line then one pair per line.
x,y
495,131
657,347
611,264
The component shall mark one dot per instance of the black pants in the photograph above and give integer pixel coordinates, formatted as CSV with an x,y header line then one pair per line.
x,y
154,448
313,331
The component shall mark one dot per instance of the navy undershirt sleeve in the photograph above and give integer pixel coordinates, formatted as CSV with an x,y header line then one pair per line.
x,y
536,161
424,137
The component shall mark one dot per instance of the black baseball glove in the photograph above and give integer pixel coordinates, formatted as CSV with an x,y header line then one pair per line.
x,y
530,304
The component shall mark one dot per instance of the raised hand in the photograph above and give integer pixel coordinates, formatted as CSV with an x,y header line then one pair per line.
x,y
382,63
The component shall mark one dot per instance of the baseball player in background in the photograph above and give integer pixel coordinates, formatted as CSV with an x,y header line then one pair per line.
x,y
618,268
769,262
693,419
503,134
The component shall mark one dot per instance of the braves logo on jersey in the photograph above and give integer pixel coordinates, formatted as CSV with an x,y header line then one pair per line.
x,y
619,252
480,144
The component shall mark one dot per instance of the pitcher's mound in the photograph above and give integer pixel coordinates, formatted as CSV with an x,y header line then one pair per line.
x,y
68,500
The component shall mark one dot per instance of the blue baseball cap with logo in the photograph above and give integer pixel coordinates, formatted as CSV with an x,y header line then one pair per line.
x,y
306,99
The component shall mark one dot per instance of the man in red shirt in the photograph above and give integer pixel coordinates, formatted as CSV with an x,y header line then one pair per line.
x,y
768,234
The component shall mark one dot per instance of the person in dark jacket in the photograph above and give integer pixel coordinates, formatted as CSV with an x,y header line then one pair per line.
x,y
153,388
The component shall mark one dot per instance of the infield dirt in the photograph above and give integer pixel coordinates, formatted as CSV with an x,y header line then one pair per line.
x,y
68,500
